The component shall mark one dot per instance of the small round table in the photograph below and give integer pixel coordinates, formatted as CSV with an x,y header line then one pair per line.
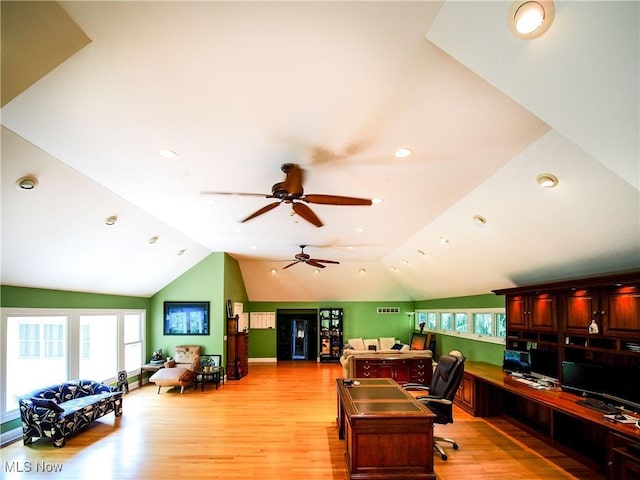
x,y
212,376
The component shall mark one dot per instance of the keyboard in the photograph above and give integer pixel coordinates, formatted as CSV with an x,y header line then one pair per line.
x,y
598,405
531,383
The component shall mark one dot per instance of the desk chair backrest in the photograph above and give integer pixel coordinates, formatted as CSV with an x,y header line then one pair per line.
x,y
447,377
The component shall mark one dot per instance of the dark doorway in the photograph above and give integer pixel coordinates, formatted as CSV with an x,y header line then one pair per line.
x,y
297,334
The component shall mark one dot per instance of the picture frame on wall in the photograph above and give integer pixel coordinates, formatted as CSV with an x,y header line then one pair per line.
x,y
229,309
186,318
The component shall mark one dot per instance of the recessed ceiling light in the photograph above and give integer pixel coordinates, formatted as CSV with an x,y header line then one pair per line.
x,y
406,262
274,271
444,240
362,270
393,268
530,19
479,219
166,153
111,220
402,153
153,239
28,182
547,180
376,200
316,271
421,252
181,252
359,229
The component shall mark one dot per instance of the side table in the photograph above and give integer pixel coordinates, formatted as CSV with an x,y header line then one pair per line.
x,y
212,376
148,367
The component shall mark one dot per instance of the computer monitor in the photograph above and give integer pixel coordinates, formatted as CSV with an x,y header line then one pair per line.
x,y
516,361
583,379
544,363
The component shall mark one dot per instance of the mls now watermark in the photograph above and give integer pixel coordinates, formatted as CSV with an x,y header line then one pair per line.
x,y
28,467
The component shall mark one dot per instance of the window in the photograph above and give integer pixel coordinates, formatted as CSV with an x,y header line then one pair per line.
x,y
99,359
35,355
461,321
485,324
446,321
46,346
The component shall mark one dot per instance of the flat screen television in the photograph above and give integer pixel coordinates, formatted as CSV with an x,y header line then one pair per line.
x,y
544,363
418,341
584,379
515,361
186,318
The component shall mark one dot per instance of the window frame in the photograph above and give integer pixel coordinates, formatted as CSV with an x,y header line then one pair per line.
x,y
496,313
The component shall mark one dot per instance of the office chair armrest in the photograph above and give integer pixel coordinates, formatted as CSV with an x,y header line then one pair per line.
x,y
439,401
415,386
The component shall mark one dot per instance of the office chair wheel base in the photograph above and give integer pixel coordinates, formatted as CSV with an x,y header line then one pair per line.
x,y
444,457
455,446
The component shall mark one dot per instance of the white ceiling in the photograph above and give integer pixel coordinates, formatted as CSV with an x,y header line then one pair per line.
x,y
238,88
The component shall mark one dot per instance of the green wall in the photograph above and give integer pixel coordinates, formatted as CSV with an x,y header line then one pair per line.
x,y
215,279
474,350
23,297
360,320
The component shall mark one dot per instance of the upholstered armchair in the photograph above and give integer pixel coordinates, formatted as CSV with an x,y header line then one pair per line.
x,y
185,356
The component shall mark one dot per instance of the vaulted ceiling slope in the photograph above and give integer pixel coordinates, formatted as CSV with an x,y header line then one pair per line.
x,y
236,89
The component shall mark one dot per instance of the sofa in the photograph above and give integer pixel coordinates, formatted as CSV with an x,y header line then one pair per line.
x,y
59,410
384,347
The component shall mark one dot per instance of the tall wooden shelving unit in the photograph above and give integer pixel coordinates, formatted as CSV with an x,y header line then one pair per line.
x,y
237,351
331,328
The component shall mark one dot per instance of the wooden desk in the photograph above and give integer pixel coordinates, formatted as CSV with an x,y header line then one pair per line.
x,y
389,435
579,431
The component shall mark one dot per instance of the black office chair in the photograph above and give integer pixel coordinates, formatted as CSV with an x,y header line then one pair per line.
x,y
444,385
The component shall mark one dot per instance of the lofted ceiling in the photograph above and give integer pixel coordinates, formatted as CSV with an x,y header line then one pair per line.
x,y
93,90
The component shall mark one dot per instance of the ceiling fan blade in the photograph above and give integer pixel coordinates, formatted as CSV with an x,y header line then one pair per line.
x,y
323,261
315,264
264,209
291,264
306,213
293,182
335,200
263,195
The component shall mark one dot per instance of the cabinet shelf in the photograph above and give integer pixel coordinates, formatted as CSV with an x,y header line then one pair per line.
x,y
331,327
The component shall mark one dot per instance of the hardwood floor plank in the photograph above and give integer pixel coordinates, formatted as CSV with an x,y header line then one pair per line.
x,y
276,423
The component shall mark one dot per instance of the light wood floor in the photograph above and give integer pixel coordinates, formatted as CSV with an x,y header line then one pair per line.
x,y
276,423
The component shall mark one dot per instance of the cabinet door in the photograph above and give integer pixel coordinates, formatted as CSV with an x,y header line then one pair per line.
x,y
620,311
543,312
516,312
401,372
579,307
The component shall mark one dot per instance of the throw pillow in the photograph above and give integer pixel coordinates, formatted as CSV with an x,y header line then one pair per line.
x,y
386,343
356,344
397,346
371,342
371,347
47,403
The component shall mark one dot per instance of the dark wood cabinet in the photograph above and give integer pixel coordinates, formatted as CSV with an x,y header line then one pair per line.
x,y
237,351
402,370
592,320
537,312
624,460
331,327
465,397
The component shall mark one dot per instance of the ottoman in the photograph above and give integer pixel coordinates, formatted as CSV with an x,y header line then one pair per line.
x,y
172,377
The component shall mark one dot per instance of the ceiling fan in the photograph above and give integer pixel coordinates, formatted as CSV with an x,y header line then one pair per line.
x,y
291,191
306,258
